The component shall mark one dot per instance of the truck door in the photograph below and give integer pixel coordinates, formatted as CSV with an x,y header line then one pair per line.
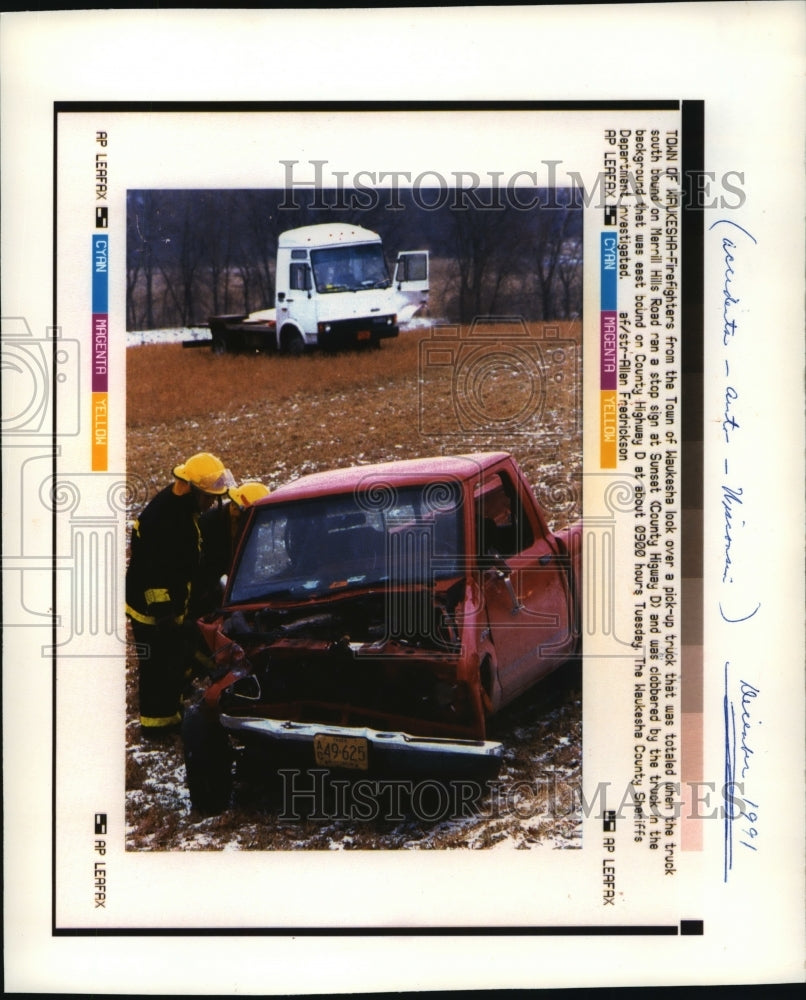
x,y
297,305
524,584
411,271
411,282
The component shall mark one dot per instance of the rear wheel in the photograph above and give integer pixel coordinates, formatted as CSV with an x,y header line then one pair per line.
x,y
208,761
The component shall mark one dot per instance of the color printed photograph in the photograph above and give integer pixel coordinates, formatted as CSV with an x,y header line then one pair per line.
x,y
355,604
401,409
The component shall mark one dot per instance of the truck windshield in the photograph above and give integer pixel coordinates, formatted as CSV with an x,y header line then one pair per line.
x,y
349,268
311,548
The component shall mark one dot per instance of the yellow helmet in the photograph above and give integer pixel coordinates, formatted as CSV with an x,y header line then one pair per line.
x,y
247,493
206,472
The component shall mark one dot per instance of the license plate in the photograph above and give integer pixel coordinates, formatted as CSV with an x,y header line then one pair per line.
x,y
341,751
363,334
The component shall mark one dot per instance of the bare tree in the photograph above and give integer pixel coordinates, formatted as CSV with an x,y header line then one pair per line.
x,y
217,241
143,239
552,235
569,276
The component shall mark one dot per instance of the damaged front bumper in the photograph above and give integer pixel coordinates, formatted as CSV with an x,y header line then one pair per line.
x,y
362,748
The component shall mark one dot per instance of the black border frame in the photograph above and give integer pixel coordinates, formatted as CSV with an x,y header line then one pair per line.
x,y
692,344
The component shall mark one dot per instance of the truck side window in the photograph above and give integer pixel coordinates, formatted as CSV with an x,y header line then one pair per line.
x,y
299,278
502,525
412,267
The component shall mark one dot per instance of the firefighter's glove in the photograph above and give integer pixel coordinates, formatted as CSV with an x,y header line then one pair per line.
x,y
163,616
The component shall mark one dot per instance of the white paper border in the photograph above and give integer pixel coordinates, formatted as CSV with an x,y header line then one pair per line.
x,y
746,61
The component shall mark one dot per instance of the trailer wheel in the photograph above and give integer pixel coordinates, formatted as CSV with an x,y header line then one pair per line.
x,y
219,338
293,344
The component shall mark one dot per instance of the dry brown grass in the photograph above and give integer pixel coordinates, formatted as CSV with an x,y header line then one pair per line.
x,y
273,418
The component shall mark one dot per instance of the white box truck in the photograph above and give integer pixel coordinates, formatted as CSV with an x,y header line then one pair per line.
x,y
332,290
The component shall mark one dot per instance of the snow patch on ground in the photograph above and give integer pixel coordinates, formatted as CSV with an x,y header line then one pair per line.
x,y
137,338
169,336
534,803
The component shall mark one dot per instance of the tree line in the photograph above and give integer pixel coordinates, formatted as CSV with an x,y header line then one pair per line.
x,y
193,254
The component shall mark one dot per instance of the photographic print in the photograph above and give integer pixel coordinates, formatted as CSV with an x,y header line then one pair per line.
x,y
394,370
389,467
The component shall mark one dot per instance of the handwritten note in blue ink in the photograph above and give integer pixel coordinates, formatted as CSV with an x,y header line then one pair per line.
x,y
737,602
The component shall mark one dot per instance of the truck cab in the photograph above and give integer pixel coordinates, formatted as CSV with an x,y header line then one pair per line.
x,y
333,288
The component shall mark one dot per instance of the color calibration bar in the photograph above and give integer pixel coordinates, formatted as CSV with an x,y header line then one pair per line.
x,y
608,335
99,427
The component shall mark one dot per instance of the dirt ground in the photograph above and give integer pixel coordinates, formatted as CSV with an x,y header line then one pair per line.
x,y
275,418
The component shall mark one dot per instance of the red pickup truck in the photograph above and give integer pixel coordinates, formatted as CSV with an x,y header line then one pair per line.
x,y
376,617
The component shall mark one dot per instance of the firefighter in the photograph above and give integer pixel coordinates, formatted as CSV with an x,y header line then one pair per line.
x,y
164,562
221,528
